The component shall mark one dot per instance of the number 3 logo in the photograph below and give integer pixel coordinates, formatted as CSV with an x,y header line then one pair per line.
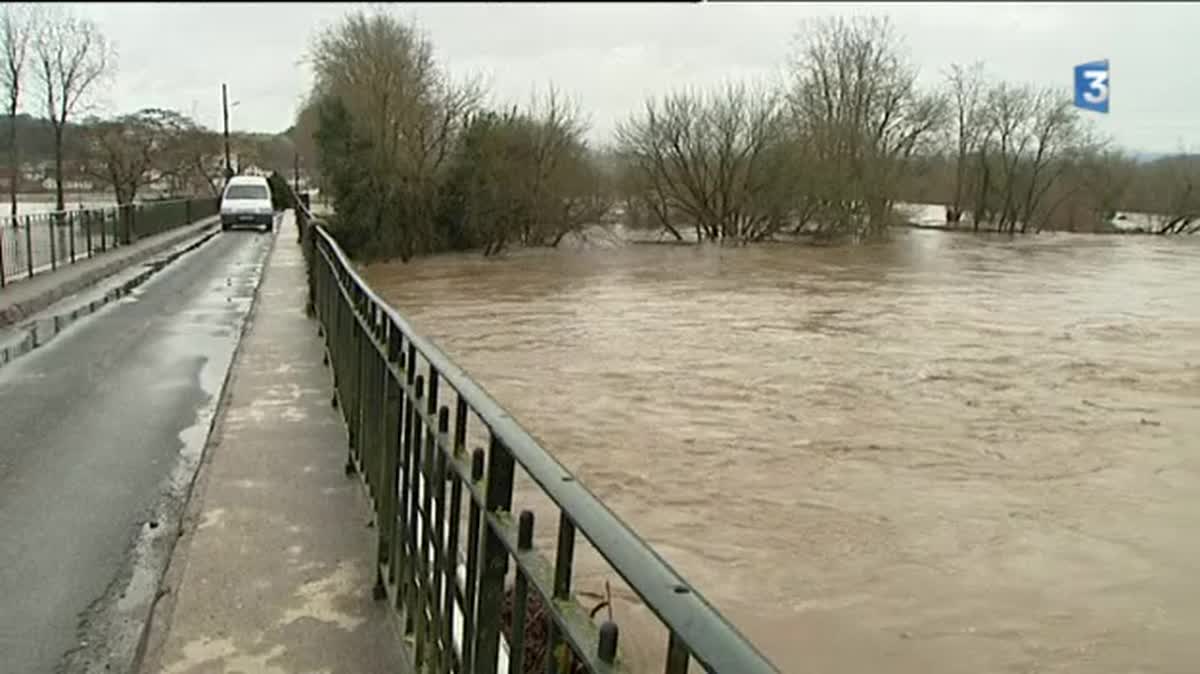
x,y
1093,86
1097,90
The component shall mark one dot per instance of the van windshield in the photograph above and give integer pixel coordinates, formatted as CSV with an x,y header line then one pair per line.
x,y
246,192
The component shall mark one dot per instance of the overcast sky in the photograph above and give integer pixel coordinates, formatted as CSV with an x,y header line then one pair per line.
x,y
609,57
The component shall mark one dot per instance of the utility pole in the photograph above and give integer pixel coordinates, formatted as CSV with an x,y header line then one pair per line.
x,y
225,111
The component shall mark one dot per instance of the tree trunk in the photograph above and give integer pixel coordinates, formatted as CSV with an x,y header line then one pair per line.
x,y
960,177
16,160
59,202
980,210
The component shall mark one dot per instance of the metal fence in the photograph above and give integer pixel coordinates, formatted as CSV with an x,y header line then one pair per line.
x,y
42,242
446,533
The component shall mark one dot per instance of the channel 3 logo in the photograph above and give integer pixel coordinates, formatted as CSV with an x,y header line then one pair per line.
x,y
1091,86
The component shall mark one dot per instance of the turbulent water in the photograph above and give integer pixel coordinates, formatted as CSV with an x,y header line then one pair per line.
x,y
946,453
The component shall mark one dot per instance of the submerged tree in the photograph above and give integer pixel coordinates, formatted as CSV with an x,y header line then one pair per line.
x,y
855,101
722,162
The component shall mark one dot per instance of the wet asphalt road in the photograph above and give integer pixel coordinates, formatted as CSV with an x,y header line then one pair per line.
x,y
90,429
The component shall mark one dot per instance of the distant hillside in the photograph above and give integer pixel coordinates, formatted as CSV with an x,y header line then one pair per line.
x,y
1151,157
36,138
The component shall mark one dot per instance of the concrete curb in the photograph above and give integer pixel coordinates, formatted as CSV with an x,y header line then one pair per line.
x,y
17,312
158,613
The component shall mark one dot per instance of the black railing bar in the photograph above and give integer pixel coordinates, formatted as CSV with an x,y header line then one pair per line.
x,y
457,615
715,642
572,620
460,564
581,632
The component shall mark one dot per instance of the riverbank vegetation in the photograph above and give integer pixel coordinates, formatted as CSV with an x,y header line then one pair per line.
x,y
417,162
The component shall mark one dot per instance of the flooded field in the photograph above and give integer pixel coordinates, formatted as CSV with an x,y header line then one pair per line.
x,y
32,204
943,454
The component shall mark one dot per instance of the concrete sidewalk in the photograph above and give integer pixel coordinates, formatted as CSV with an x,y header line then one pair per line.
x,y
274,572
26,297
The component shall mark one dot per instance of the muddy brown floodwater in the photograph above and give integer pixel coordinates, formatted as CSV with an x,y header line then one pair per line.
x,y
943,454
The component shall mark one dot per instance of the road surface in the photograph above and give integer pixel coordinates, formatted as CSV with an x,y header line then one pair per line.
x,y
92,430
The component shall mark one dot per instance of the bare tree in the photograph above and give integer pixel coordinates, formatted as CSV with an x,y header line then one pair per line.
x,y
199,156
967,89
1036,137
522,177
1094,184
1173,193
17,22
405,110
855,99
1010,109
71,57
304,137
713,161
1058,142
1107,176
132,150
584,193
555,146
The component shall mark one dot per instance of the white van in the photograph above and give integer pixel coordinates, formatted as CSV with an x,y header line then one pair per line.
x,y
247,201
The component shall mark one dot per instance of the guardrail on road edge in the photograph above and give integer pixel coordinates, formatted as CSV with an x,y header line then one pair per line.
x,y
406,406
42,242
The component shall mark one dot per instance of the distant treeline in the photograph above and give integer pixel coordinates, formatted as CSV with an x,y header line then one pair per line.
x,y
1159,185
416,161
36,138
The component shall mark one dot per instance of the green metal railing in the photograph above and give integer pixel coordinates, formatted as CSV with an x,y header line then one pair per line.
x,y
406,407
38,243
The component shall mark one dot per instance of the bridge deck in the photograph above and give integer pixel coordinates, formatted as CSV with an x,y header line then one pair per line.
x,y
276,571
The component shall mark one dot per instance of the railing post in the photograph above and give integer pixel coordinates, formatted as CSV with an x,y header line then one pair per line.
x,y
454,516
423,449
516,655
391,448
470,599
87,228
3,281
677,655
397,566
435,505
71,234
411,492
29,244
53,245
564,560
606,649
498,496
